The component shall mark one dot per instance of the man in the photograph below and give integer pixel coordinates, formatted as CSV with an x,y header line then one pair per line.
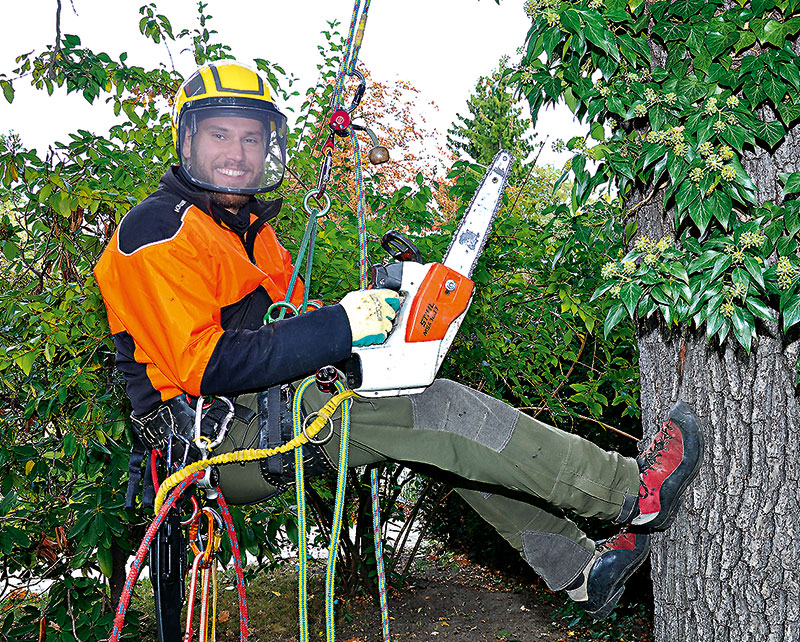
x,y
187,280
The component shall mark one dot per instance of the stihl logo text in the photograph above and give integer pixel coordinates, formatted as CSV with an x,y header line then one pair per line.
x,y
428,317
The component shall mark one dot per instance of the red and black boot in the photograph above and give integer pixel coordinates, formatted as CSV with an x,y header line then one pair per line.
x,y
667,466
615,560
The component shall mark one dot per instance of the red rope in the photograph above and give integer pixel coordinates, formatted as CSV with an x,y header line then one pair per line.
x,y
136,567
154,455
244,624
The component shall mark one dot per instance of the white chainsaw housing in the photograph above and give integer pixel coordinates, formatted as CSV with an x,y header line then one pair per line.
x,y
397,367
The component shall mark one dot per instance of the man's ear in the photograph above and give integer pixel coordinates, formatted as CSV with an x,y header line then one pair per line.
x,y
186,147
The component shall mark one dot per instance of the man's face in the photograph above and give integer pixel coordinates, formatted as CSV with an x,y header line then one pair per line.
x,y
227,152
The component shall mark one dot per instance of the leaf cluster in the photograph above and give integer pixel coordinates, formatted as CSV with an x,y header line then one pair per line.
x,y
679,97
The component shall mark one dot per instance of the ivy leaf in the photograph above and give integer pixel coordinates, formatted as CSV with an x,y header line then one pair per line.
x,y
714,322
791,182
678,271
630,294
760,309
774,88
702,213
704,260
598,34
571,21
746,40
719,42
791,73
614,316
720,265
735,136
788,112
770,132
743,327
755,269
791,311
769,31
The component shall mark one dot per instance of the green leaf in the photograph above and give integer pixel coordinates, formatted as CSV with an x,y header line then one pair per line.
x,y
678,271
598,34
719,42
743,327
760,309
755,269
105,560
614,316
25,361
770,132
8,90
791,312
720,265
791,182
769,31
630,294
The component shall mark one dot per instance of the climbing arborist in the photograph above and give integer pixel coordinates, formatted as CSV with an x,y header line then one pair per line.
x,y
187,280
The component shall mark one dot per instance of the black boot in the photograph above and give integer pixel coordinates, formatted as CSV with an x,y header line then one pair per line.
x,y
615,561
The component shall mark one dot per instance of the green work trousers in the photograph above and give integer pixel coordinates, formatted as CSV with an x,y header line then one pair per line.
x,y
512,469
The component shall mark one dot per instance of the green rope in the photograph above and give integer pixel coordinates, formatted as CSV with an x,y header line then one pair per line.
x,y
336,527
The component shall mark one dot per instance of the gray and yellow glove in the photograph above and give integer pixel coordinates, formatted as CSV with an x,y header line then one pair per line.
x,y
370,313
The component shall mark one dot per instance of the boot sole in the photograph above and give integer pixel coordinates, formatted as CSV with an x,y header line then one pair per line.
x,y
683,416
618,587
603,612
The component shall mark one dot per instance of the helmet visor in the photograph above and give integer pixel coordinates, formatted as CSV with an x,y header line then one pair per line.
x,y
233,148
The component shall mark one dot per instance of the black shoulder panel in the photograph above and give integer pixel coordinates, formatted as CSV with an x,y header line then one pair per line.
x,y
156,219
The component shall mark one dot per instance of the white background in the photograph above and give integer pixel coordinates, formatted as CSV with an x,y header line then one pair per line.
x,y
440,46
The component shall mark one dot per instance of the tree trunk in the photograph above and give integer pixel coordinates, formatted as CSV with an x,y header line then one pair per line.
x,y
728,570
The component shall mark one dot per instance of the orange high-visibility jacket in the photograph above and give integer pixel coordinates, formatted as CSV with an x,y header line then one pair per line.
x,y
186,286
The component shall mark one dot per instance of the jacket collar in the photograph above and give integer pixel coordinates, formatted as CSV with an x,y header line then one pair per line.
x,y
174,182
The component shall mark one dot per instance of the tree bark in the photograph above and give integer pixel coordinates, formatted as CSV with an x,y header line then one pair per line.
x,y
728,570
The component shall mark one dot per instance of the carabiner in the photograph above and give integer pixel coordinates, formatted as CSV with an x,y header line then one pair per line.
x,y
360,91
214,537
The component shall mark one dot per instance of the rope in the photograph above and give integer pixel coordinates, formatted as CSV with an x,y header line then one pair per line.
x,y
253,454
136,566
336,527
244,621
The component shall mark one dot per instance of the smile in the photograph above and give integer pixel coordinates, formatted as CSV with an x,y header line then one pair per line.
x,y
233,173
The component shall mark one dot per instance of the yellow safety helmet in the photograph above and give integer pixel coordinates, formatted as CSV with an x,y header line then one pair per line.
x,y
228,134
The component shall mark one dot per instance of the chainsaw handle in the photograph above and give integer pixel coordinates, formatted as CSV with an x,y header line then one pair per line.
x,y
400,247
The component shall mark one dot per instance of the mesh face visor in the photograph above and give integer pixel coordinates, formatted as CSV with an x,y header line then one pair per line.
x,y
234,148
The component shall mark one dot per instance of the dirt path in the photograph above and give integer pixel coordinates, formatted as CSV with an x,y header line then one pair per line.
x,y
460,601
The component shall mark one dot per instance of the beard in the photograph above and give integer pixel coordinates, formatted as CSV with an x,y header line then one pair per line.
x,y
231,202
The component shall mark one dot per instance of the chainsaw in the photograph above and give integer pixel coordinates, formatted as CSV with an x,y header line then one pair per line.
x,y
436,297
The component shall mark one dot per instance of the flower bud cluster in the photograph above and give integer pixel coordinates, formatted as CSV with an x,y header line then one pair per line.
x,y
651,249
752,239
672,137
547,9
738,290
596,4
786,273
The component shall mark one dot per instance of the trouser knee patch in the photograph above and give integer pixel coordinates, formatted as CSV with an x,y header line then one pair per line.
x,y
557,559
449,407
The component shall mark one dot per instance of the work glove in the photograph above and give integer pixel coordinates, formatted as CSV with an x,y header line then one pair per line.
x,y
370,313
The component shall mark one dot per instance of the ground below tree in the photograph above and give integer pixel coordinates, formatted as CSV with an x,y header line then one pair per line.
x,y
446,597
449,597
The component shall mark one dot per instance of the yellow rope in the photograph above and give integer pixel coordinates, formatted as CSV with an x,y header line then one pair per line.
x,y
253,454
